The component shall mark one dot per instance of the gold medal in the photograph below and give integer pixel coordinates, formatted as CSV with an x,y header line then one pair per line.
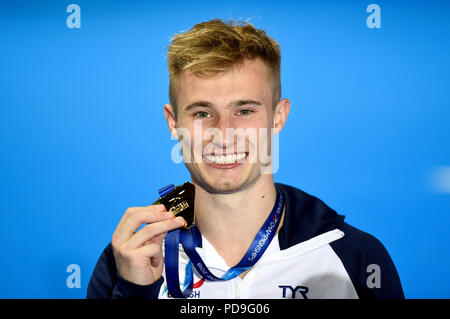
x,y
180,202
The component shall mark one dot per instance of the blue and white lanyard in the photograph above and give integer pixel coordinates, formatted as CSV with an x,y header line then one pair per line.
x,y
191,238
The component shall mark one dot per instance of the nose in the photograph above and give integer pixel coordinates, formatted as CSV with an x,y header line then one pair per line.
x,y
225,139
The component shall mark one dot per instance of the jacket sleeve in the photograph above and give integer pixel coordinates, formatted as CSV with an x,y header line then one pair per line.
x,y
106,283
368,264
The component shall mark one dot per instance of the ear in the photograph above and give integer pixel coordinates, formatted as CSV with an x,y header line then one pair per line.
x,y
171,119
280,114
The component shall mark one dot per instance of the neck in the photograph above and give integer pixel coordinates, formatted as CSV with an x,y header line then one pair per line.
x,y
230,222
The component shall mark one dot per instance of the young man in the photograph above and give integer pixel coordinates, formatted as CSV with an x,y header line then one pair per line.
x,y
225,77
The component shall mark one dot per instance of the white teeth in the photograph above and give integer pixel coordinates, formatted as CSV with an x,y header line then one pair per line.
x,y
228,159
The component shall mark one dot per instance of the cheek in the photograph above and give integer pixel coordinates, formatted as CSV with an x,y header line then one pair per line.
x,y
261,126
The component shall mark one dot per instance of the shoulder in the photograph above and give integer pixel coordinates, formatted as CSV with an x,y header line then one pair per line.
x,y
368,264
361,253
360,242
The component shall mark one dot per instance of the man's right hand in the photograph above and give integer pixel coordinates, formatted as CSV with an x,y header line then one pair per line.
x,y
138,254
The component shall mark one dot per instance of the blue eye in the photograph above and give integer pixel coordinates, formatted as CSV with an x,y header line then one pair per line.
x,y
202,115
245,112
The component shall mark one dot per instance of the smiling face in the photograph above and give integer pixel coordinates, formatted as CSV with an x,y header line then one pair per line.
x,y
224,116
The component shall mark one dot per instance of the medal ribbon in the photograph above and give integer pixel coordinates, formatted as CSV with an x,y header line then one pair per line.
x,y
191,238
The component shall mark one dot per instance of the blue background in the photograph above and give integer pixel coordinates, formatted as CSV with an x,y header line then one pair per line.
x,y
83,136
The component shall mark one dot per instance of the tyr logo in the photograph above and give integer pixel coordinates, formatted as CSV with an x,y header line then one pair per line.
x,y
300,289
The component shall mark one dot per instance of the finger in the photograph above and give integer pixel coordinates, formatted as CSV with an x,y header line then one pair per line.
x,y
150,231
133,210
157,239
150,251
156,259
136,219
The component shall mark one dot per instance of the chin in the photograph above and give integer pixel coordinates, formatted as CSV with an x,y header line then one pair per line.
x,y
218,186
226,187
223,184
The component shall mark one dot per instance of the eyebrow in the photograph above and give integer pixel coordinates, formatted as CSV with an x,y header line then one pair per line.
x,y
236,103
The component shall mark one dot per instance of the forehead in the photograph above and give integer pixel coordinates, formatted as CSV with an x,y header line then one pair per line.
x,y
249,80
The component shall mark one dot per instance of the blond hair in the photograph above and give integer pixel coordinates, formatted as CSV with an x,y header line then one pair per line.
x,y
213,47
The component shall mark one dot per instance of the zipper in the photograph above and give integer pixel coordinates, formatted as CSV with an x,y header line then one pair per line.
x,y
238,288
